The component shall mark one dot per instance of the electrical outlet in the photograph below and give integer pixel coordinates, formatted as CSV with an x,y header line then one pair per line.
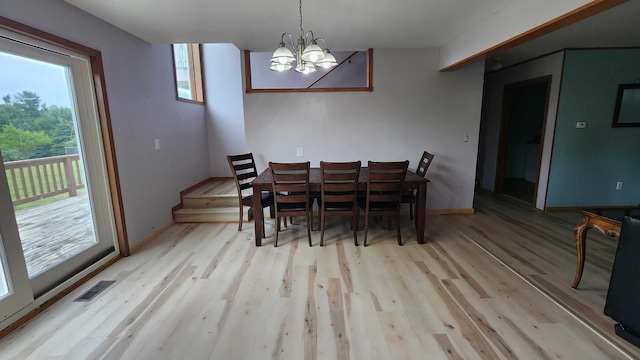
x,y
299,152
156,143
619,185
466,138
581,125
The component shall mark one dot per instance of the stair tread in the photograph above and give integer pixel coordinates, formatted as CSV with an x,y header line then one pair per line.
x,y
210,196
207,210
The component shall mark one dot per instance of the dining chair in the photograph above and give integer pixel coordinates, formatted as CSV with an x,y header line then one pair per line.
x,y
409,196
338,193
291,193
384,190
243,168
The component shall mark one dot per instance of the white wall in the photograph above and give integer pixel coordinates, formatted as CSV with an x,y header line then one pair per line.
x,y
224,112
142,104
515,19
492,117
413,108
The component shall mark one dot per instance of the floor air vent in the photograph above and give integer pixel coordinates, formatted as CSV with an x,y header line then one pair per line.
x,y
94,291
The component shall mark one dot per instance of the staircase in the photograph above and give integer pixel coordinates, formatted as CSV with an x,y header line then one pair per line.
x,y
214,201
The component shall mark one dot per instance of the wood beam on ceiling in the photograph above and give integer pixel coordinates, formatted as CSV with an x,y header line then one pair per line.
x,y
581,13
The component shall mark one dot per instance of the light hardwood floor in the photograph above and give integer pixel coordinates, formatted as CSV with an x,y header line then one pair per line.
x,y
204,291
541,247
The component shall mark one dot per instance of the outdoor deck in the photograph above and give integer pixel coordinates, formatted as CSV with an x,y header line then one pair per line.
x,y
55,231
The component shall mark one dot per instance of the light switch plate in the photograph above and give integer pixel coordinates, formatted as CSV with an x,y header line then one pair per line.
x,y
156,143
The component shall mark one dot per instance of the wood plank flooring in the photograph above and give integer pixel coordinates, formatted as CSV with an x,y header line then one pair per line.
x,y
204,291
541,247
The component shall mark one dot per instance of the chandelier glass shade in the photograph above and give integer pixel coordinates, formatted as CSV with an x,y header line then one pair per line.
x,y
307,54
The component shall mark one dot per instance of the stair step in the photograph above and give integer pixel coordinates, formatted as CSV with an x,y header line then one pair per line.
x,y
210,201
219,214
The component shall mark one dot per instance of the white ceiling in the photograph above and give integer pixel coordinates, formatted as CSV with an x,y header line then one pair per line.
x,y
616,27
351,24
257,25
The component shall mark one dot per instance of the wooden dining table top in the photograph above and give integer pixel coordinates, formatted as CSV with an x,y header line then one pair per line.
x,y
411,180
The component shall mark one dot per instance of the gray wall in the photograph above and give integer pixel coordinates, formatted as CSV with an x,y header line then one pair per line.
x,y
492,116
587,163
142,103
224,112
413,108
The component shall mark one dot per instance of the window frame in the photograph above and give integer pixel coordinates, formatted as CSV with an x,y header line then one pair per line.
x,y
196,73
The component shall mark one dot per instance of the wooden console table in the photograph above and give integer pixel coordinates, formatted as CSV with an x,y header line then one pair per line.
x,y
607,221
589,220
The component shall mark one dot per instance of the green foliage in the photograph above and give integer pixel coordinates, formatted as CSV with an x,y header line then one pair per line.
x,y
30,129
22,142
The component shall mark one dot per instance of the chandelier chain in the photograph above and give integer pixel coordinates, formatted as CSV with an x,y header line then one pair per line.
x,y
300,9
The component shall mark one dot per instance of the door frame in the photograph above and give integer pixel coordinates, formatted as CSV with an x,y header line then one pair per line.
x,y
504,130
100,95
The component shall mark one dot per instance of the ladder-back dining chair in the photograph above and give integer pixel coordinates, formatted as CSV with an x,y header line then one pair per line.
x,y
339,190
243,168
291,193
384,190
409,196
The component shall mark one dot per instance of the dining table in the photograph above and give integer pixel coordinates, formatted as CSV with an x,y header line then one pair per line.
x,y
412,181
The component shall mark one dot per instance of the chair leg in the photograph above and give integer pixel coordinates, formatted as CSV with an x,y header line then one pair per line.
x,y
240,219
398,230
366,228
322,217
272,211
410,211
275,243
309,221
354,227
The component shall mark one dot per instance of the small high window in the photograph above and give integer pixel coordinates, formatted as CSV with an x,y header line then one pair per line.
x,y
188,72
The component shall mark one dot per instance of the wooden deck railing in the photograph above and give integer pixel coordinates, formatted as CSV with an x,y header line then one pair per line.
x,y
35,179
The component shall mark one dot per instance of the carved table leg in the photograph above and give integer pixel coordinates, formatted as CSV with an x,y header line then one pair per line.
x,y
581,236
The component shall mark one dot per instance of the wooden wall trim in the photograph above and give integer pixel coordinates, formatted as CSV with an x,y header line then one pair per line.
x,y
581,13
22,29
250,90
104,118
463,211
137,246
579,208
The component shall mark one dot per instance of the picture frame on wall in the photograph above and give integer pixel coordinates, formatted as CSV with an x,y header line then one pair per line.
x,y
627,111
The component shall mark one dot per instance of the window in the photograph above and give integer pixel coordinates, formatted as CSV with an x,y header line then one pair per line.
x,y
188,72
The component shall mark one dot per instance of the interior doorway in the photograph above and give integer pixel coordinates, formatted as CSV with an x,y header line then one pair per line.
x,y
524,115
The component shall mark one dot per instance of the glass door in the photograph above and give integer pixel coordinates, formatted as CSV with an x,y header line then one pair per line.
x,y
53,165
15,291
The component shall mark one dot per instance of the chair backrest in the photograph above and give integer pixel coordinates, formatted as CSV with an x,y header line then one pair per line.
x,y
385,181
243,168
339,183
291,185
424,163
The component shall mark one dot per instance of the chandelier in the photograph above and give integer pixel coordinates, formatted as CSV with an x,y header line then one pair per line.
x,y
307,54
